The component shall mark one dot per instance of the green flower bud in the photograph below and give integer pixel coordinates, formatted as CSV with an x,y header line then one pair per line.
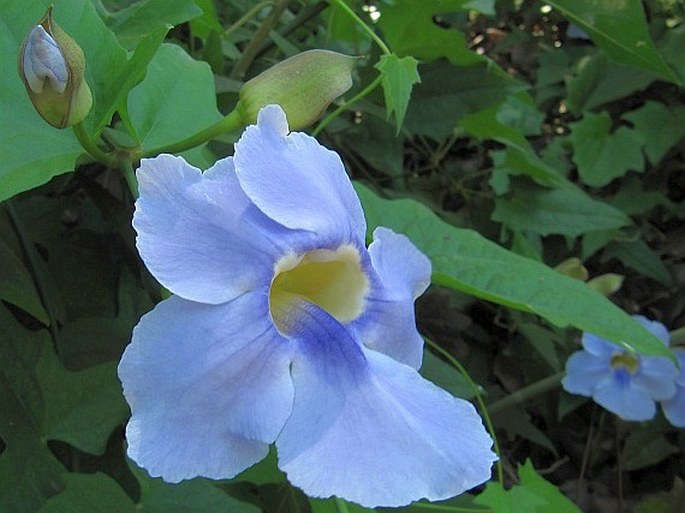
x,y
51,65
303,85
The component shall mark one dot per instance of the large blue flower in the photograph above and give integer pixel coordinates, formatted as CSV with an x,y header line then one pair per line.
x,y
623,382
285,328
674,408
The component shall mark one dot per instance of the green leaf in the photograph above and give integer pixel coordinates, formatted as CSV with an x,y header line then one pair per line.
x,y
599,81
446,94
195,496
558,211
208,23
143,18
81,408
601,155
619,28
638,255
532,495
176,99
644,448
412,31
465,261
90,493
30,473
649,122
16,285
399,77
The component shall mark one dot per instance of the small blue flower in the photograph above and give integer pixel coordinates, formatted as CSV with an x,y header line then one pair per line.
x,y
674,408
284,328
625,383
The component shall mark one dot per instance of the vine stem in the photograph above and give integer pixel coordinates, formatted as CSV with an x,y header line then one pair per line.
x,y
247,16
361,94
232,121
346,8
89,145
527,393
479,399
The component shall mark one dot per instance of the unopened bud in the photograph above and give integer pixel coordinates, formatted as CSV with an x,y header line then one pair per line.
x,y
52,65
303,85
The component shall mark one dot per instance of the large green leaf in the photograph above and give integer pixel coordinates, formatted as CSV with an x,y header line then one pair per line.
x,y
30,473
464,260
81,408
619,28
90,493
176,99
16,284
650,120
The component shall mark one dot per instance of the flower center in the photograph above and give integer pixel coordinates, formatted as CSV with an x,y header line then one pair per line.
x,y
625,361
331,279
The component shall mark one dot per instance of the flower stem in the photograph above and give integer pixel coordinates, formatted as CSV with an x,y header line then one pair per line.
x,y
361,94
130,177
527,393
247,16
232,121
384,48
89,145
479,399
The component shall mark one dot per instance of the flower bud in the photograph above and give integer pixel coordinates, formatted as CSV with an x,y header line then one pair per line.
x,y
303,85
51,65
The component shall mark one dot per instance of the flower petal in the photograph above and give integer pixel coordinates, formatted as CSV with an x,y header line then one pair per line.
x,y
655,328
388,324
674,409
598,346
656,376
584,372
209,387
198,234
296,181
625,400
371,430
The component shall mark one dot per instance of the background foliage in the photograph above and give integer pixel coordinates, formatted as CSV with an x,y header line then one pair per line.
x,y
530,149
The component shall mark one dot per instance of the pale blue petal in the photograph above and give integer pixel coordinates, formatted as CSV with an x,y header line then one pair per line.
x,y
674,409
388,324
655,328
656,376
371,430
296,181
599,346
625,400
198,234
584,372
209,387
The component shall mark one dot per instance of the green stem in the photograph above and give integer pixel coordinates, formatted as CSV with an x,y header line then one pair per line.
x,y
479,399
384,48
130,177
361,94
247,16
35,269
526,393
89,145
230,122
251,50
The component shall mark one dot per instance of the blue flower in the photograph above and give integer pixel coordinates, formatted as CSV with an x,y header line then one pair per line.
x,y
674,408
625,383
284,328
